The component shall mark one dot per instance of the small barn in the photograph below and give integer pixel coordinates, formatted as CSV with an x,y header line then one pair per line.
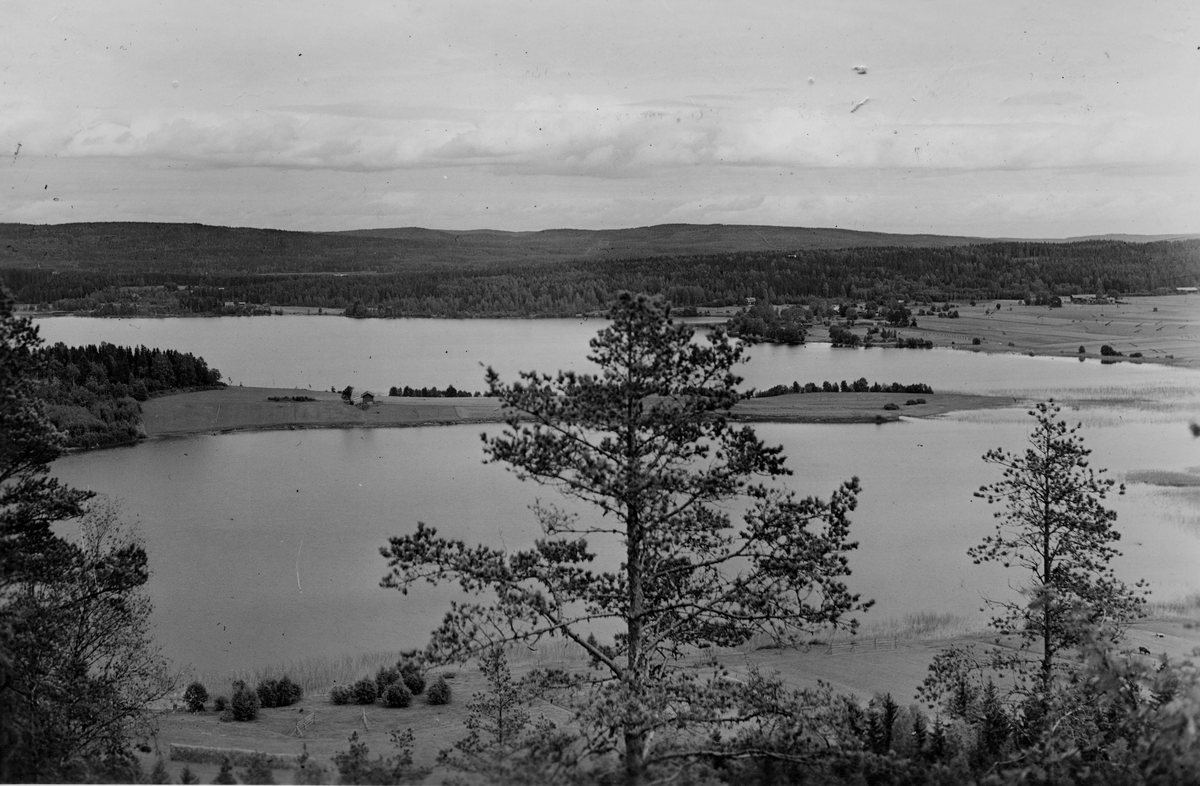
x,y
368,398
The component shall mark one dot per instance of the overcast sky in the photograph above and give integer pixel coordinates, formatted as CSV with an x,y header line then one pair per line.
x,y
997,118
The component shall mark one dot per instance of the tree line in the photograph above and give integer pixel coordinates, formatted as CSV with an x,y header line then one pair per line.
x,y
92,393
1009,270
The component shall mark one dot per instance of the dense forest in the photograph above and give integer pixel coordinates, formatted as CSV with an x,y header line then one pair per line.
x,y
92,394
366,279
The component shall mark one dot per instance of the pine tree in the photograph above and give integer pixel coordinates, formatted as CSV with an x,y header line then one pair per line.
x,y
648,444
77,666
1053,526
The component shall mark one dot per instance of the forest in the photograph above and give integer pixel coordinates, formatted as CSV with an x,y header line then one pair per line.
x,y
376,275
91,394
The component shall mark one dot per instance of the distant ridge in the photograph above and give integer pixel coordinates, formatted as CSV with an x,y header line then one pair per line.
x,y
667,239
203,248
1134,238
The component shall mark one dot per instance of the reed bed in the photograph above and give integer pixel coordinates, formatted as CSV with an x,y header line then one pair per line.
x,y
1188,607
555,651
315,674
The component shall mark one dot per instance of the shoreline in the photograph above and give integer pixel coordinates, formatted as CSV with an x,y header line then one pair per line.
x,y
1160,329
247,409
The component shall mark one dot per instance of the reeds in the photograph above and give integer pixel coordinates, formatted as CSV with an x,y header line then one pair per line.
x,y
1188,606
315,674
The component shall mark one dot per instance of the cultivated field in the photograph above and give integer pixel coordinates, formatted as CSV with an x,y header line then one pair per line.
x,y
1164,329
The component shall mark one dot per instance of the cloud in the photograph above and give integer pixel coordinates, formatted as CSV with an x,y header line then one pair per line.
x,y
598,136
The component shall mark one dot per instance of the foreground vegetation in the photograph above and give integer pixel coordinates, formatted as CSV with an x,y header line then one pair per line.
x,y
78,666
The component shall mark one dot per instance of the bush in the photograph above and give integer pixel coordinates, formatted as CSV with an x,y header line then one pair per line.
x,y
287,692
891,405
414,681
220,704
913,401
397,695
341,694
1108,351
244,703
195,696
258,770
439,692
975,341
364,691
385,677
225,776
279,693
267,695
1081,349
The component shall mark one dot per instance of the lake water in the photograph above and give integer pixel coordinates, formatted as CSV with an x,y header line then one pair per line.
x,y
265,545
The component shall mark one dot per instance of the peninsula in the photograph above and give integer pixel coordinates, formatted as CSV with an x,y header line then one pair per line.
x,y
251,409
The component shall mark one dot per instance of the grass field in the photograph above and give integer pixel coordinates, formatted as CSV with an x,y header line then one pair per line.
x,y
248,409
1164,329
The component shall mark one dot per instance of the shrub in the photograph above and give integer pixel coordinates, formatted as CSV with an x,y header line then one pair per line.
x,y
341,694
258,770
364,691
195,696
244,703
385,677
975,341
220,704
1108,351
287,692
439,692
414,681
891,405
267,695
397,695
226,773
1081,349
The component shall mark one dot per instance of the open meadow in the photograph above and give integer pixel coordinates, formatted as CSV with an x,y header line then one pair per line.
x,y
1163,329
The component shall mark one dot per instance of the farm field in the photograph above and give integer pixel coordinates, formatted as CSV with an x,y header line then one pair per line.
x,y
1164,329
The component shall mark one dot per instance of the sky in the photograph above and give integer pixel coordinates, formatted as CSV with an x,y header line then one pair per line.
x,y
1001,118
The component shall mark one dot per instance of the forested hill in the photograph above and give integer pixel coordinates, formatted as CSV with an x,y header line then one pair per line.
x,y
195,248
172,269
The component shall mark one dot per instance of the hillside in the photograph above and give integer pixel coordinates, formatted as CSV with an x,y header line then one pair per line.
x,y
182,269
201,248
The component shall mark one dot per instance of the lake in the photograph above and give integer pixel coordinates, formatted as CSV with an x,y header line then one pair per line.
x,y
265,545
